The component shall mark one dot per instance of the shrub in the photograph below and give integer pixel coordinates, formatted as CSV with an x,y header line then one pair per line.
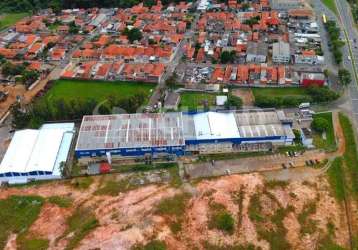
x,y
222,220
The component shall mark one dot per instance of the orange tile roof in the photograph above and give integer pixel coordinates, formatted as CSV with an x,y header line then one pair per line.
x,y
8,53
35,65
201,55
300,13
218,74
308,53
158,70
242,73
35,48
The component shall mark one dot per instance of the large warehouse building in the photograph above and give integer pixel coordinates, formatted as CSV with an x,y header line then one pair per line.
x,y
179,133
37,154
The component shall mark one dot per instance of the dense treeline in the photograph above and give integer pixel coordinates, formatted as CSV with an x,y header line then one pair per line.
x,y
313,95
335,42
37,113
354,8
33,5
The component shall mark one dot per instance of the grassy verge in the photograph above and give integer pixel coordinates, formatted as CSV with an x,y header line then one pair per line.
x,y
229,156
331,5
279,92
82,182
329,143
9,19
336,178
17,213
143,167
350,156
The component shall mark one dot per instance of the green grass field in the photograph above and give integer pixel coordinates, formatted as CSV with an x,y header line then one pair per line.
x,y
7,20
279,92
329,143
192,100
331,5
97,90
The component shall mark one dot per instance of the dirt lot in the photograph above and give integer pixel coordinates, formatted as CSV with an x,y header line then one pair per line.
x,y
132,217
13,91
246,96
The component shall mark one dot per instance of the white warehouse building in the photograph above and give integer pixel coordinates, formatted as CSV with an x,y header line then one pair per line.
x,y
37,154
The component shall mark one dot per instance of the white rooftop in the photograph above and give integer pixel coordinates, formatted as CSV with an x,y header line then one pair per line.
x,y
213,125
38,150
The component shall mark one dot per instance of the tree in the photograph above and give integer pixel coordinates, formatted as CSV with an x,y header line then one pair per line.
x,y
133,34
227,56
233,102
321,94
74,29
298,139
20,118
320,124
345,77
149,3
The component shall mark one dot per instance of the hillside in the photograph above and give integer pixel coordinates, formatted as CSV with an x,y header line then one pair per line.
x,y
233,212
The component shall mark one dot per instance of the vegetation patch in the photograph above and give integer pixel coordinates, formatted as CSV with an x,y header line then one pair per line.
x,y
143,167
17,214
255,209
276,183
308,225
79,224
9,19
221,219
292,97
61,201
274,235
114,187
194,100
173,209
97,90
82,182
323,123
152,245
238,198
72,99
30,242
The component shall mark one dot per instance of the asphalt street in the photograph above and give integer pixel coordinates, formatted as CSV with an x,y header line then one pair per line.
x,y
346,23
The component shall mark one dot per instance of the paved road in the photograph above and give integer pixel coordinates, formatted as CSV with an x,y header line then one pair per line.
x,y
346,23
250,164
188,36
